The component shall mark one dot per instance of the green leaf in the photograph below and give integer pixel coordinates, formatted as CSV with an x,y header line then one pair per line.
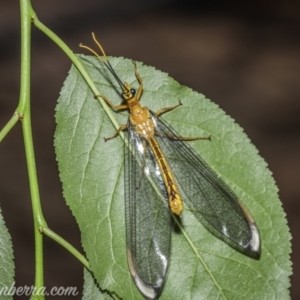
x,y
201,266
6,263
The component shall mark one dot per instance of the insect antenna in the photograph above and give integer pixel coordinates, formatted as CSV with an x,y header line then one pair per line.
x,y
104,60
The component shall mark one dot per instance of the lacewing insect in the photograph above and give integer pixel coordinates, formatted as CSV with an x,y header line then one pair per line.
x,y
163,174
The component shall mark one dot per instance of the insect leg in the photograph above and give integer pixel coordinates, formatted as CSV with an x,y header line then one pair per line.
x,y
109,103
182,138
176,137
166,109
122,127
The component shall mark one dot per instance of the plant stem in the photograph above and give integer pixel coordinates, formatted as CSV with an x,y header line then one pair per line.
x,y
48,232
9,125
24,108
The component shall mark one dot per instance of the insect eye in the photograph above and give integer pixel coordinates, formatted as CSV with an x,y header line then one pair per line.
x,y
132,92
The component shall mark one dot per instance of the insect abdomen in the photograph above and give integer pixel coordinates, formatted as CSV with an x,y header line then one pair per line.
x,y
174,197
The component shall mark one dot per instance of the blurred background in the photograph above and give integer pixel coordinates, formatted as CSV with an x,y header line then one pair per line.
x,y
243,55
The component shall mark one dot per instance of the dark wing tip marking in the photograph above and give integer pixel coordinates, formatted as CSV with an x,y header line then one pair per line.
x,y
150,292
254,245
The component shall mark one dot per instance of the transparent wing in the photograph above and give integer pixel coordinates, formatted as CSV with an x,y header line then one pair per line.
x,y
148,221
210,199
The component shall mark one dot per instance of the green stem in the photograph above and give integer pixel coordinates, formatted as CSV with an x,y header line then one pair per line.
x,y
24,108
9,125
26,13
48,232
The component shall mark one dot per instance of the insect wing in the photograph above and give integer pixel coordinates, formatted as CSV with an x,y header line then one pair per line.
x,y
210,199
148,221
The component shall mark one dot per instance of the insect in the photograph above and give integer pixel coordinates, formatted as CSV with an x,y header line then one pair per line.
x,y
164,174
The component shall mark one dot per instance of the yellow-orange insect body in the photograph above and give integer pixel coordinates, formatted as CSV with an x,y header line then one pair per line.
x,y
141,120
